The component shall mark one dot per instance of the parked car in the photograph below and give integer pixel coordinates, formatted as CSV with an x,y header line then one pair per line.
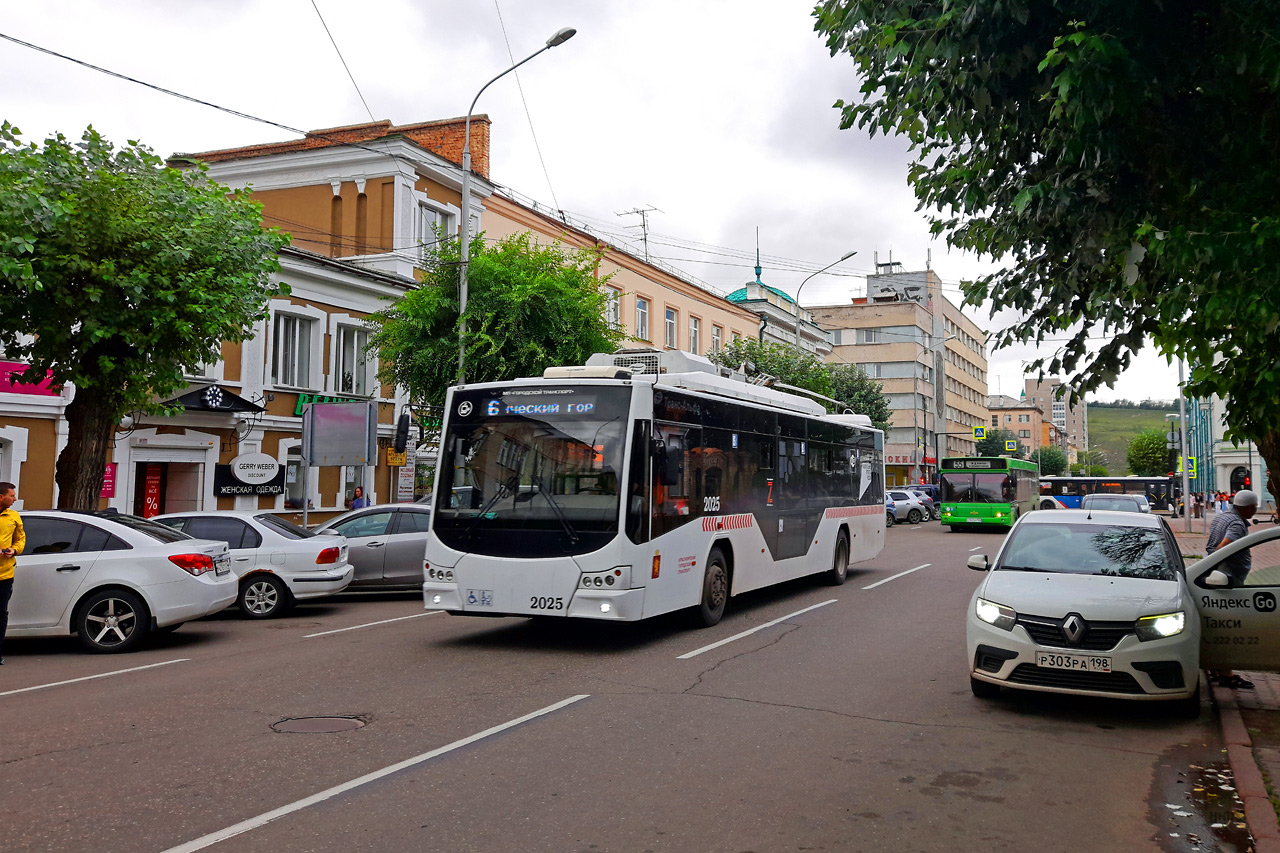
x,y
930,489
890,514
908,507
112,579
388,543
935,511
1116,503
277,562
1100,603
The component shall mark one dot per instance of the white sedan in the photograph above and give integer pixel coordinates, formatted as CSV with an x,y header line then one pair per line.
x,y
277,562
1099,603
112,579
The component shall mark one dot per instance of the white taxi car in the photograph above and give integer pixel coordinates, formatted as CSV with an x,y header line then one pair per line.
x,y
112,579
1101,604
277,562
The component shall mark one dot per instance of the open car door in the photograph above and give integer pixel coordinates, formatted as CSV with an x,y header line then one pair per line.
x,y
1239,625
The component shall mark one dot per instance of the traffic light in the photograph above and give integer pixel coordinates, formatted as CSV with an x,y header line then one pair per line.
x,y
402,433
1247,481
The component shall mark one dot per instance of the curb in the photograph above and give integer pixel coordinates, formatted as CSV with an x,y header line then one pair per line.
x,y
1259,814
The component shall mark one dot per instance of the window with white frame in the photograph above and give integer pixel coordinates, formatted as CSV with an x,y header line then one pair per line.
x,y
868,336
672,323
642,318
430,224
736,337
613,307
353,363
291,351
717,338
695,335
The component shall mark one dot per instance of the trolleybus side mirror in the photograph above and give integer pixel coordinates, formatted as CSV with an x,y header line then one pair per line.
x,y
669,460
978,562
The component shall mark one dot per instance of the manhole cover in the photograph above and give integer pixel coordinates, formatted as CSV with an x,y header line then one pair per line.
x,y
318,725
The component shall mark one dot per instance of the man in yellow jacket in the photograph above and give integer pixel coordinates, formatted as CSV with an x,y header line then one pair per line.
x,y
12,538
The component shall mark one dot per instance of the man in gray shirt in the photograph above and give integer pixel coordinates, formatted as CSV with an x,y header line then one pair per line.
x,y
1230,526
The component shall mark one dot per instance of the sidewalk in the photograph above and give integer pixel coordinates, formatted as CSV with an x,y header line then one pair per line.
x,y
1251,730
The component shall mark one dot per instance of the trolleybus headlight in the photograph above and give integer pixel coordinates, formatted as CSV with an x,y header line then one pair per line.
x,y
608,579
606,607
996,614
599,581
448,576
435,599
586,581
1159,627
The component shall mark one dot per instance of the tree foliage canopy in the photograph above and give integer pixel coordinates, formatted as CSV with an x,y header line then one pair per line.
x,y
1052,461
120,274
529,307
994,444
1119,159
852,386
1148,455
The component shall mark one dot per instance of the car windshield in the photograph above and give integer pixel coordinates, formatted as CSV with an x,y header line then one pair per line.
x,y
532,471
154,529
287,529
1107,502
1089,549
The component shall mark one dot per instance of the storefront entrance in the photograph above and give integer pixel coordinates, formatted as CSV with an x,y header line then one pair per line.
x,y
161,487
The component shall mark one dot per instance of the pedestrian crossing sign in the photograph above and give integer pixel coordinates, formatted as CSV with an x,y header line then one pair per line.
x,y
1010,444
979,433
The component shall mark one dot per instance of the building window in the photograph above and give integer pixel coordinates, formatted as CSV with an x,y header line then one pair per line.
x,y
1008,419
431,224
1024,419
671,325
642,318
695,335
717,338
872,369
1024,433
291,353
353,364
868,336
737,338
613,307
995,420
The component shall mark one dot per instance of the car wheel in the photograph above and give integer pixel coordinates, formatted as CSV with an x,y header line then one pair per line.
x,y
263,596
839,572
913,517
112,620
715,589
984,689
889,520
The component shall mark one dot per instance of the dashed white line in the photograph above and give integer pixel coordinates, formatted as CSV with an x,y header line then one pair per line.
x,y
751,631
92,677
979,548
898,575
371,624
266,817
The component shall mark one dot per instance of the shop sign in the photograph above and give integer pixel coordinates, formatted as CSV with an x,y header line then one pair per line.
x,y
304,399
249,474
109,481
10,369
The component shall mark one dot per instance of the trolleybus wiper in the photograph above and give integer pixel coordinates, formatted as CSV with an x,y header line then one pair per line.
x,y
555,508
504,489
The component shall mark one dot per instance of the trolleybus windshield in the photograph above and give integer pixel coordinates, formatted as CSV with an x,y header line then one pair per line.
x,y
537,470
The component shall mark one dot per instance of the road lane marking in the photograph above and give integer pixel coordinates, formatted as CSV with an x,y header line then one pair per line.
x,y
979,548
751,631
92,677
275,814
898,575
371,624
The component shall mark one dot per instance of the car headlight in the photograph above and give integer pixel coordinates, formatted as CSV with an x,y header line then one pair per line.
x,y
996,614
1159,627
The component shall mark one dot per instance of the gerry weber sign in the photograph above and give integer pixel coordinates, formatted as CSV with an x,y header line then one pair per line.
x,y
249,474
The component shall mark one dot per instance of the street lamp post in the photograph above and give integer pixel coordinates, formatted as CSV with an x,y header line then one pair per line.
x,y
560,37
806,281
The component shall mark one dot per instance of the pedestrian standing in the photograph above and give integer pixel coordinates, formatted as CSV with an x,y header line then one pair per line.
x,y
1232,526
359,501
12,538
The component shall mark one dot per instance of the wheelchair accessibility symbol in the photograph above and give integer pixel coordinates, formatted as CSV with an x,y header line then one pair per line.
x,y
480,597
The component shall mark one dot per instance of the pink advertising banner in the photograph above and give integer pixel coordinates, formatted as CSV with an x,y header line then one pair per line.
x,y
9,386
109,481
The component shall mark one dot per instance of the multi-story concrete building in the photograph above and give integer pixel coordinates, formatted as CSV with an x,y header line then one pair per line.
x,y
931,359
1022,418
1072,421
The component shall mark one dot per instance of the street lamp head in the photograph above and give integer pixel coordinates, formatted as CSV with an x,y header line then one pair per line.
x,y
847,257
561,36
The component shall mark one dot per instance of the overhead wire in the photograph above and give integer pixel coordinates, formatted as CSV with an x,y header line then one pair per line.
x,y
528,115
343,60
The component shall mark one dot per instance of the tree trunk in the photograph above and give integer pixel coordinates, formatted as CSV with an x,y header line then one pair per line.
x,y
1269,448
83,462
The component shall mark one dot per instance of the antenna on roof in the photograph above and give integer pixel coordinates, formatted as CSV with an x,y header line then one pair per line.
x,y
643,213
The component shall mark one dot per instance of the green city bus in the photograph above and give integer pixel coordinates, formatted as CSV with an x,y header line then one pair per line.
x,y
987,491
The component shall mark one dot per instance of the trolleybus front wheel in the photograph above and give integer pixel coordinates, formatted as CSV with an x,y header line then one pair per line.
x,y
715,589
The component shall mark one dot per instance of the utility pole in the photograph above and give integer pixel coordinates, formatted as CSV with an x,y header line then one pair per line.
x,y
1186,481
643,213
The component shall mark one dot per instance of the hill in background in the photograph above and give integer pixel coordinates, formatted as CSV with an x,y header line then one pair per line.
x,y
1111,428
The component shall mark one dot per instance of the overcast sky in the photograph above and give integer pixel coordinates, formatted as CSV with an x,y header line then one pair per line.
x,y
718,114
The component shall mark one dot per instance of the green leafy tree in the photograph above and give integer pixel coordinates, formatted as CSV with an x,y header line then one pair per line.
x,y
119,274
1052,461
853,387
1119,159
1148,456
786,364
529,307
994,444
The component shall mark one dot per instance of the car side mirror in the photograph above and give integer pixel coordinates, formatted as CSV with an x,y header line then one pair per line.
x,y
978,562
1216,580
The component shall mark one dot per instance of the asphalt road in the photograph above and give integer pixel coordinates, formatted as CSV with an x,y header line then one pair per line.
x,y
844,723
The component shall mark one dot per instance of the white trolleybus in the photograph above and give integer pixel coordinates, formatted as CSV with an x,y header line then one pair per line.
x,y
643,483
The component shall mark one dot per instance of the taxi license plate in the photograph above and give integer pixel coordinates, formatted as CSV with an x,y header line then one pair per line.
x,y
222,565
1077,663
